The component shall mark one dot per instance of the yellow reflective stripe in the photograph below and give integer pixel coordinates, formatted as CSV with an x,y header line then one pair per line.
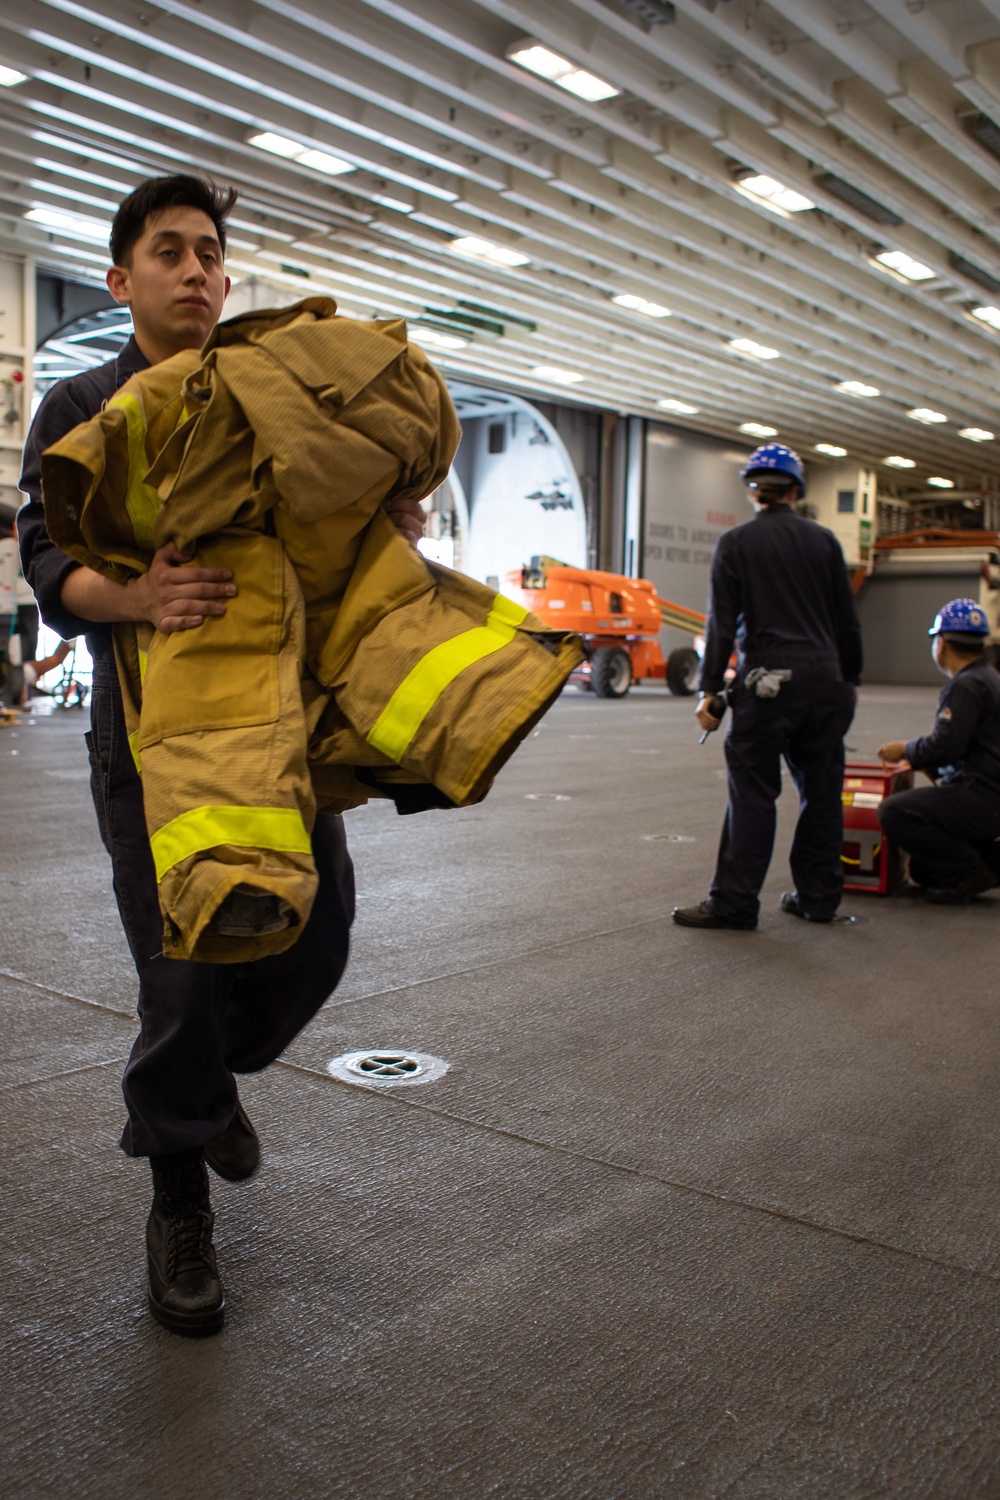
x,y
143,664
420,689
141,500
133,744
505,612
202,828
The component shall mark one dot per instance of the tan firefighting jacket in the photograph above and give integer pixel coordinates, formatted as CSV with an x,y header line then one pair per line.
x,y
346,666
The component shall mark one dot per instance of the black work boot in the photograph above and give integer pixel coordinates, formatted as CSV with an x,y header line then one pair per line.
x,y
185,1294
235,1154
705,915
981,879
791,904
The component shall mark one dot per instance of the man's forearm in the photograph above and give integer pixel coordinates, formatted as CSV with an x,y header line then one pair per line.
x,y
94,597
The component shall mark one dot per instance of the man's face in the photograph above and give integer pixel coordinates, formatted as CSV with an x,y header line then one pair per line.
x,y
175,284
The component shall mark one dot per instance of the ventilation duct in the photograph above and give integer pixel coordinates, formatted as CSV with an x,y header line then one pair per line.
x,y
848,193
650,12
974,273
985,131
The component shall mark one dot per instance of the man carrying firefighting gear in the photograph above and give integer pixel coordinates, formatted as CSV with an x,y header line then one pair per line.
x,y
951,830
347,666
780,591
201,1024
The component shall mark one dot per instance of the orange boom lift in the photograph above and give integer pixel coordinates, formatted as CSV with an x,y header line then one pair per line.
x,y
620,620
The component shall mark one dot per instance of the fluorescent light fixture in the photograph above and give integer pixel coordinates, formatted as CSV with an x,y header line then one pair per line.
x,y
10,76
894,461
641,305
306,156
557,69
557,375
72,225
587,86
941,484
278,145
774,194
323,161
900,264
857,388
477,249
990,315
925,415
831,450
977,434
435,338
681,408
757,429
752,350
539,59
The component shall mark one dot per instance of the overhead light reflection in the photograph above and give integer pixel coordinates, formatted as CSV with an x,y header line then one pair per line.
x,y
898,263
774,194
72,225
306,156
475,248
752,350
990,315
680,408
545,63
641,305
927,416
557,375
858,388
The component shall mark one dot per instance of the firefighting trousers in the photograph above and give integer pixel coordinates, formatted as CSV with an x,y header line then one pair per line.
x,y
804,726
946,830
202,1023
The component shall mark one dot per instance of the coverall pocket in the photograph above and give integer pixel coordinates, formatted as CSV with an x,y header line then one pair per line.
x,y
224,673
98,788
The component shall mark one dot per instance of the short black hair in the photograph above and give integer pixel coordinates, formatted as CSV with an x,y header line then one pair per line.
x,y
965,645
158,193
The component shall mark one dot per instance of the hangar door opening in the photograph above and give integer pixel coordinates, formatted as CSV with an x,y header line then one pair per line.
x,y
521,494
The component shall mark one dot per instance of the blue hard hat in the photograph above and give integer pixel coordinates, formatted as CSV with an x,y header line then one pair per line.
x,y
775,458
960,617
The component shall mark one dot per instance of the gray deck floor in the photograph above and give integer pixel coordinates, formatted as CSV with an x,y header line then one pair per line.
x,y
691,1215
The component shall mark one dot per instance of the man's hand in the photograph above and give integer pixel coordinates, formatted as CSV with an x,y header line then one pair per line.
x,y
407,516
892,752
173,595
703,713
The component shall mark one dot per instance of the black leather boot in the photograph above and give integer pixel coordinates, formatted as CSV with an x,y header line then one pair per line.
x,y
185,1293
235,1154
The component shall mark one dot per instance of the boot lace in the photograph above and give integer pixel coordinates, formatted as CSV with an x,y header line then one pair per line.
x,y
189,1239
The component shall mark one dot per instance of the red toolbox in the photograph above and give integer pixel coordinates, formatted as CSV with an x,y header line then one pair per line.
x,y
870,862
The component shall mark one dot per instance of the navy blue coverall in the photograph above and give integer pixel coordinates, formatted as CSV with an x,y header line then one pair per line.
x,y
949,828
780,591
199,1023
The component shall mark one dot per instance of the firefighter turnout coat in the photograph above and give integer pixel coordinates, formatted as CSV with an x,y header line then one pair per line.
x,y
347,665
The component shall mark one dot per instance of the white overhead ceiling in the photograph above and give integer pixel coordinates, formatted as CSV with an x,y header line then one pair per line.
x,y
446,137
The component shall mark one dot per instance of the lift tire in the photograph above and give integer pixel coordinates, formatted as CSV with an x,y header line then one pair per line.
x,y
683,666
611,672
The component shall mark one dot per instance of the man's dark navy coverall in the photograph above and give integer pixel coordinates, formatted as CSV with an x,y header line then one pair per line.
x,y
780,591
948,829
199,1023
